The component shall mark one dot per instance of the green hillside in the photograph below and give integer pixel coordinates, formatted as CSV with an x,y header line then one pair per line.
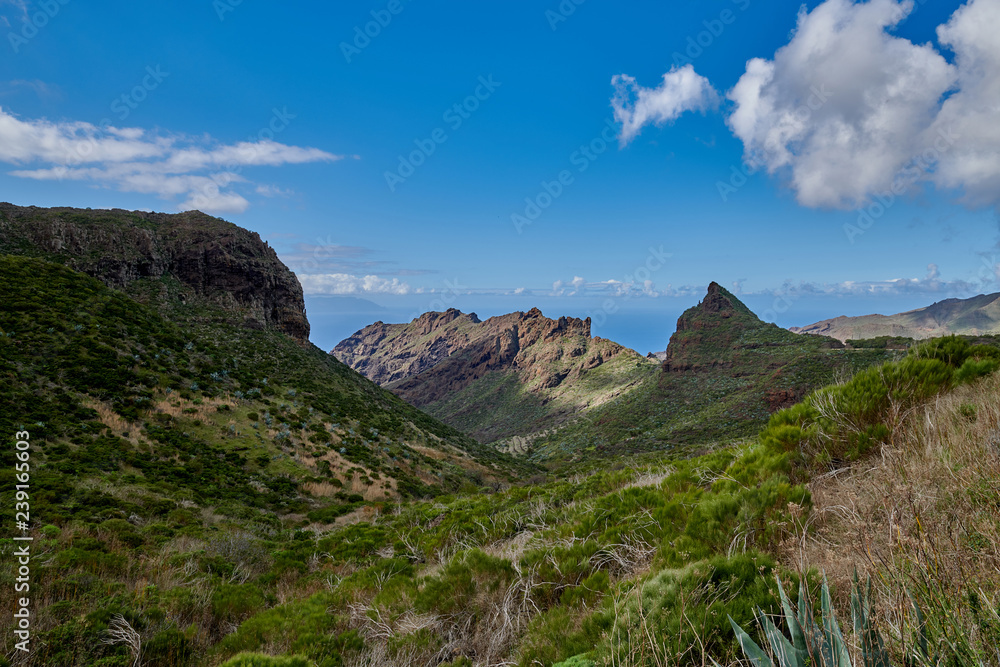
x,y
725,373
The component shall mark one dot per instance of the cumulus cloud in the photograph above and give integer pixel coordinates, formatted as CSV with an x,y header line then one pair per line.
x,y
682,90
347,284
570,288
970,114
198,171
616,288
847,111
844,105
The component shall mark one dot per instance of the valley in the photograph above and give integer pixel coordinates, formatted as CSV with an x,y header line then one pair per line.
x,y
516,491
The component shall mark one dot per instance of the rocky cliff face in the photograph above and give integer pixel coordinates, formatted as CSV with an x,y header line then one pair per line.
x,y
386,353
707,334
213,262
445,362
528,343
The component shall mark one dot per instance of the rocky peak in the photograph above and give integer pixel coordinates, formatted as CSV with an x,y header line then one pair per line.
x,y
210,261
707,332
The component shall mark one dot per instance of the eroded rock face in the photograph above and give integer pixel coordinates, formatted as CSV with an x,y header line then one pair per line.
x,y
440,353
213,261
706,333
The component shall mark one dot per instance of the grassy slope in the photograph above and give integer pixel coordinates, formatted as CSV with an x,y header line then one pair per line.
x,y
640,565
503,404
974,316
146,431
206,554
735,363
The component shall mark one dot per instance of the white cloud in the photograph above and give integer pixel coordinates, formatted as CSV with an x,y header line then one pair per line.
x,y
345,283
844,105
199,170
681,90
973,164
931,284
847,111
571,288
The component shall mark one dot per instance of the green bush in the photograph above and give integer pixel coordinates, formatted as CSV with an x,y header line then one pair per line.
x,y
261,660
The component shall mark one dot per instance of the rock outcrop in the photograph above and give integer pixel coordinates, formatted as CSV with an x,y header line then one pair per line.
x,y
707,334
188,258
444,361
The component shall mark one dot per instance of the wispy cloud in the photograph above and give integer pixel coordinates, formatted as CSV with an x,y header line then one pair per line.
x,y
21,7
930,285
682,89
200,172
347,284
46,92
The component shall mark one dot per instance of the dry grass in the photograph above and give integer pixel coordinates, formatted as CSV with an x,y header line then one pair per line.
x,y
922,516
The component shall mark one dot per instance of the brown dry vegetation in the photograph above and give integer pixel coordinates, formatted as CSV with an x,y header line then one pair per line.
x,y
922,516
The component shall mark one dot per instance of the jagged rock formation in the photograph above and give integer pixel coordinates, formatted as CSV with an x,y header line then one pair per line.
x,y
386,353
535,371
973,317
188,258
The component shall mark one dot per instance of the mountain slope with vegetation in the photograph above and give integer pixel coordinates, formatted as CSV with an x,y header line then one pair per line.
x,y
725,372
640,563
156,418
969,317
187,265
508,376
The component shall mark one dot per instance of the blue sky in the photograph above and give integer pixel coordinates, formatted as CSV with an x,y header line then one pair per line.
x,y
283,120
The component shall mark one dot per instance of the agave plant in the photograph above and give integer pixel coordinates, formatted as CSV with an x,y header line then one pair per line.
x,y
811,644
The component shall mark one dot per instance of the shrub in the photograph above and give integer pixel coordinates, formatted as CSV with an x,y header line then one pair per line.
x,y
261,660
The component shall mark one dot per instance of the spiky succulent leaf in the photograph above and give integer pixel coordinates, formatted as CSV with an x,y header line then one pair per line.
x,y
816,644
795,630
872,646
751,650
839,657
787,654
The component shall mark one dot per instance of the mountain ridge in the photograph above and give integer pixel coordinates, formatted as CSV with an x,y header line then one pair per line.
x,y
974,316
723,374
439,360
181,262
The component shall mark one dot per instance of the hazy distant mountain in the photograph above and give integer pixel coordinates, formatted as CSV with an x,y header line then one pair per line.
x,y
976,316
